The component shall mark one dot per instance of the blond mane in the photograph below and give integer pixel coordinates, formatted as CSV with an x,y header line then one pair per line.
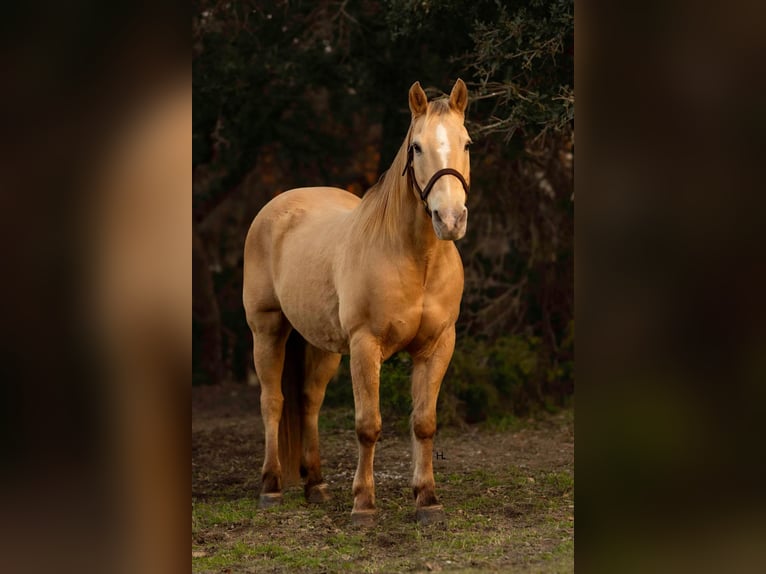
x,y
383,206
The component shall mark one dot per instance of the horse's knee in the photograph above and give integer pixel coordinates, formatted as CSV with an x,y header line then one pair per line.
x,y
424,426
368,429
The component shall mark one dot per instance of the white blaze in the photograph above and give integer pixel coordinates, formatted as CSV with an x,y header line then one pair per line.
x,y
443,144
443,199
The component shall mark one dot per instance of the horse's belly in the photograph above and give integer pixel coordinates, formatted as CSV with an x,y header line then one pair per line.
x,y
304,247
311,307
321,331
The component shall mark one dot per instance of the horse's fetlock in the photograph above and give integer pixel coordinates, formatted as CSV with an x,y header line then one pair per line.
x,y
364,501
426,497
271,482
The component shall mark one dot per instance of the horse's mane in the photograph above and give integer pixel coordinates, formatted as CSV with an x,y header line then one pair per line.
x,y
380,212
383,206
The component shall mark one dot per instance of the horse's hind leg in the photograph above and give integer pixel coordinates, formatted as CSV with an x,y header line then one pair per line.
x,y
320,367
270,330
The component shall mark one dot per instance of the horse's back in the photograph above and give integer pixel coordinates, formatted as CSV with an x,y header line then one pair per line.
x,y
319,199
299,211
297,207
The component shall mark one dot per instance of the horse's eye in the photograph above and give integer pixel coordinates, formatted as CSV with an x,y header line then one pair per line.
x,y
416,147
467,145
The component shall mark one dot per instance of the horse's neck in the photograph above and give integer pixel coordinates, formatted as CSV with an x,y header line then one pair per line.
x,y
396,222
416,229
419,231
392,219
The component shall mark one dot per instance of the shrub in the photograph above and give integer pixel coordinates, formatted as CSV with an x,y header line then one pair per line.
x,y
493,381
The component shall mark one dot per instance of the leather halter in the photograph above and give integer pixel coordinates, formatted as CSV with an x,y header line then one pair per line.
x,y
409,169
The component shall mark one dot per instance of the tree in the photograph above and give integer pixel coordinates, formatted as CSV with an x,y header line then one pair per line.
x,y
318,85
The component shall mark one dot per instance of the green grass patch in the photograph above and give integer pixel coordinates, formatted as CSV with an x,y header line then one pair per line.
x,y
337,418
206,514
560,482
505,423
226,557
558,560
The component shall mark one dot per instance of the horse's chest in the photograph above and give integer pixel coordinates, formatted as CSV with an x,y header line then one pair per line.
x,y
397,330
400,303
397,313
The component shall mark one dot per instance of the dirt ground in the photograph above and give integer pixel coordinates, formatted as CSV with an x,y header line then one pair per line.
x,y
508,497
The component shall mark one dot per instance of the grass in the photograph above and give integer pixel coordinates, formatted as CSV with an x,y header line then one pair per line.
x,y
480,533
560,482
501,516
228,513
336,419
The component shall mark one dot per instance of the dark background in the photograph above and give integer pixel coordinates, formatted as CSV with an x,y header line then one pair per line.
x,y
290,94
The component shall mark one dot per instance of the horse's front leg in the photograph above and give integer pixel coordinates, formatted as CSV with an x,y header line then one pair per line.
x,y
365,376
428,371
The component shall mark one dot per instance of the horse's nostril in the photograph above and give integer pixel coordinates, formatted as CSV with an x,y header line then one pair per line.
x,y
436,215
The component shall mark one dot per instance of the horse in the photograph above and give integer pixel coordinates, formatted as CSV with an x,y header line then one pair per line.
x,y
327,273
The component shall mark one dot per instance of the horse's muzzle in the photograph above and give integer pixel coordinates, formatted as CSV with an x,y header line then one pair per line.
x,y
450,224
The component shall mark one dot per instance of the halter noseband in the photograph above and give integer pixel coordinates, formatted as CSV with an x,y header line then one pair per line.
x,y
410,170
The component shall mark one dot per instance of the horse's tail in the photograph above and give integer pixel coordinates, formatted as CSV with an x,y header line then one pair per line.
x,y
291,423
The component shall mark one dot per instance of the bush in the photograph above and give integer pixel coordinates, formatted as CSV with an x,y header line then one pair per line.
x,y
395,394
487,381
396,391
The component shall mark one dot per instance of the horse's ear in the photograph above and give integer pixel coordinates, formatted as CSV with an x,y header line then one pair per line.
x,y
458,99
418,100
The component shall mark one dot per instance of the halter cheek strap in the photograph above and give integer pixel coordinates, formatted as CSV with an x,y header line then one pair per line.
x,y
410,170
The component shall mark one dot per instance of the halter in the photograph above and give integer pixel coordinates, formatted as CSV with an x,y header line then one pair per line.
x,y
410,171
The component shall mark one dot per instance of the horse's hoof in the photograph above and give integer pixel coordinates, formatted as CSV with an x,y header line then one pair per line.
x,y
430,514
270,500
363,517
318,493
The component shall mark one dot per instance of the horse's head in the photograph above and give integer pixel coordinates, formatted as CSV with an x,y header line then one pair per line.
x,y
438,159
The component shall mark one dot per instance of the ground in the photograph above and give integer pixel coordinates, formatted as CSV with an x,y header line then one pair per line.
x,y
508,496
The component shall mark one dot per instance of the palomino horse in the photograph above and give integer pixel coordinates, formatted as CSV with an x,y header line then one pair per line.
x,y
327,273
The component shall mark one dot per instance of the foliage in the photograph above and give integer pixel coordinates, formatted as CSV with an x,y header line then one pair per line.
x,y
519,57
395,396
395,385
317,85
258,66
492,379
